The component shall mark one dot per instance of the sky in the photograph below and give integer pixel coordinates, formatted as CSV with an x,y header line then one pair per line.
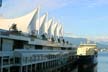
x,y
85,18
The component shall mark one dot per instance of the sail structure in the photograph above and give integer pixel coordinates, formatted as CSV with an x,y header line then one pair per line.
x,y
32,26
21,22
51,29
61,31
50,21
42,23
58,30
54,29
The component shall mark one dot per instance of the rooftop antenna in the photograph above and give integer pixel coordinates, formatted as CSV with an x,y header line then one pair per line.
x,y
88,40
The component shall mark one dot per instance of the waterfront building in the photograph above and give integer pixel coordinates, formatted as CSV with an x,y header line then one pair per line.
x,y
28,45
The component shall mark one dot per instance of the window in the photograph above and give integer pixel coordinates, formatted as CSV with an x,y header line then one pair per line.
x,y
38,47
6,60
0,61
17,60
0,44
11,61
18,44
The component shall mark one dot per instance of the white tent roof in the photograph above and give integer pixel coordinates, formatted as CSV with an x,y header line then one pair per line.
x,y
48,25
42,23
61,31
53,28
33,26
22,22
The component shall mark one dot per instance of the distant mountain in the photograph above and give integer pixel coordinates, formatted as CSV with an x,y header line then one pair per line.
x,y
75,41
78,41
101,45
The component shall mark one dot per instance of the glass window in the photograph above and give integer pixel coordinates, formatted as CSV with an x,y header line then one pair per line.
x,y
5,60
0,45
11,60
17,60
0,61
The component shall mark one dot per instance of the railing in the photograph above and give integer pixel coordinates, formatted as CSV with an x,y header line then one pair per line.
x,y
6,53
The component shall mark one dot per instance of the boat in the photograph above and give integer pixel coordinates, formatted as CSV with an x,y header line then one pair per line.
x,y
35,44
87,57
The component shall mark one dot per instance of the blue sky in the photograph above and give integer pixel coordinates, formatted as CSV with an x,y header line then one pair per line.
x,y
79,17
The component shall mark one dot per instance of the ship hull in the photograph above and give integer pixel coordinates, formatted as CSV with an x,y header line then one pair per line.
x,y
87,63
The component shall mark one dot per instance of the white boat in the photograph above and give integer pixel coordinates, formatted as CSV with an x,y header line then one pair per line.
x,y
87,57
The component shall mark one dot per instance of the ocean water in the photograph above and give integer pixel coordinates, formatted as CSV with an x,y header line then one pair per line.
x,y
102,62
102,65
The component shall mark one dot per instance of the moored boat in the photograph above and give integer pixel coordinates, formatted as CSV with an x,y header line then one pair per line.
x,y
87,57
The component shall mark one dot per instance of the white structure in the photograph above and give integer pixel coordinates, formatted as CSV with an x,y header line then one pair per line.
x,y
42,29
48,25
33,26
21,22
86,49
20,52
50,30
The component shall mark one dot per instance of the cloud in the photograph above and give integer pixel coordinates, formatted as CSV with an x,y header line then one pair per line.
x,y
100,38
20,7
98,3
16,7
51,4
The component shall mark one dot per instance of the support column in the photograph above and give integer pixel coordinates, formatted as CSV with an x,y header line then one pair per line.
x,y
20,68
35,67
31,67
21,64
9,64
1,64
26,68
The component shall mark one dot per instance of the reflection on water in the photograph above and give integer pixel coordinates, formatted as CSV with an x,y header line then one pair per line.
x,y
89,69
103,62
87,63
102,65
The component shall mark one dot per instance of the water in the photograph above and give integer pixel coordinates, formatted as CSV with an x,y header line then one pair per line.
x,y
103,62
102,65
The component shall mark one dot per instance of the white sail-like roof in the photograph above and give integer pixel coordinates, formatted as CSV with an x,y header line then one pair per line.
x,y
54,28
58,30
22,22
61,31
42,23
50,21
33,26
51,29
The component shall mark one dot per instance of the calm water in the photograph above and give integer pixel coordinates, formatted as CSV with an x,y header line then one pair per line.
x,y
102,65
103,62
